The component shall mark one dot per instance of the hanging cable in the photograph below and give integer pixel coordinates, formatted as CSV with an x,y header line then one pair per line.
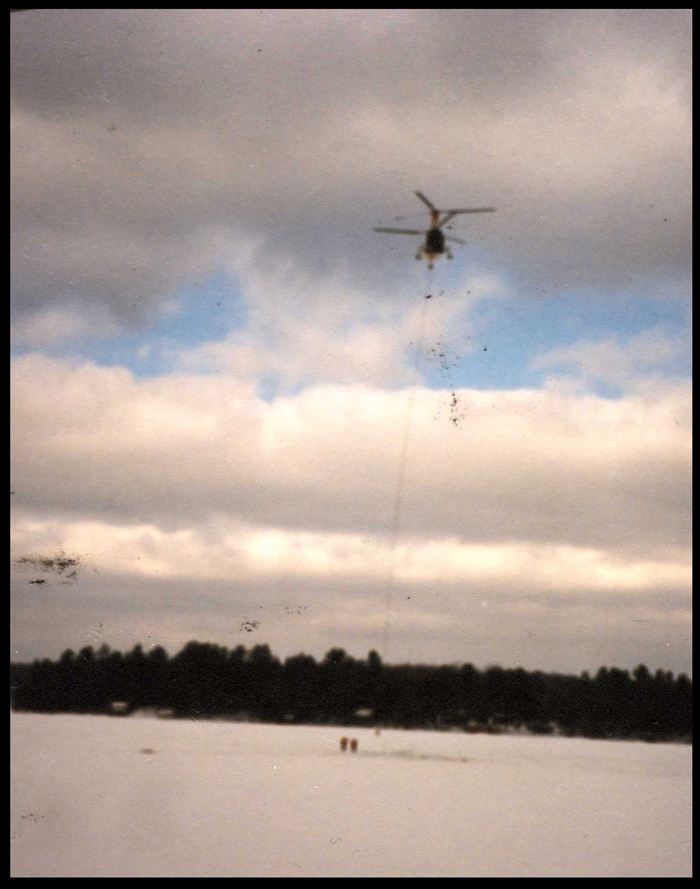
x,y
403,460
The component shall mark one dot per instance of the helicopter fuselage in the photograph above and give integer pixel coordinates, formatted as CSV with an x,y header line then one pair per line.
x,y
434,242
434,245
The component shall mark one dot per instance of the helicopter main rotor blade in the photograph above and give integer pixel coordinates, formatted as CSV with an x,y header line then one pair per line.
x,y
452,213
400,231
457,241
422,197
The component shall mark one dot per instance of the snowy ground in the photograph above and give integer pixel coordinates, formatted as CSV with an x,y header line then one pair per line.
x,y
106,797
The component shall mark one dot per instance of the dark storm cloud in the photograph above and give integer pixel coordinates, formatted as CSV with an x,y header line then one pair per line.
x,y
151,146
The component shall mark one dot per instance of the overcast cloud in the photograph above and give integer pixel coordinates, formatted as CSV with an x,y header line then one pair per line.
x,y
232,402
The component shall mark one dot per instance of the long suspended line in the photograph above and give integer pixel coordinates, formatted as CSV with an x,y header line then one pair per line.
x,y
401,479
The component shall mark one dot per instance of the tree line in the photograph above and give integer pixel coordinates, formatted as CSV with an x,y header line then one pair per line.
x,y
206,680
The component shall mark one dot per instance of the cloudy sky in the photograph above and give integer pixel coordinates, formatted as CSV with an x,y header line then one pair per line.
x,y
236,415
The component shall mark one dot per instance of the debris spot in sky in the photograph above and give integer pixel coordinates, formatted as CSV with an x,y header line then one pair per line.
x,y
51,564
457,411
441,355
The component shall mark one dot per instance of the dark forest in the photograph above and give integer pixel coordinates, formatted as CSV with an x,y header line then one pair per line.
x,y
207,681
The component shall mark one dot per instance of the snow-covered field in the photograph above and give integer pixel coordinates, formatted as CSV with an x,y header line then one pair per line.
x,y
106,797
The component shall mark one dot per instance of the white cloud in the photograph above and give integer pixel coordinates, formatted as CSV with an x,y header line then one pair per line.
x,y
307,331
540,466
643,361
231,548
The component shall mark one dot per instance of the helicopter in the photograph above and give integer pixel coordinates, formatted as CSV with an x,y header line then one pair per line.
x,y
434,244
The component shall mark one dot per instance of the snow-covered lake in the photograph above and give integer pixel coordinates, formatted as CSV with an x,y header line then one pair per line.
x,y
106,797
